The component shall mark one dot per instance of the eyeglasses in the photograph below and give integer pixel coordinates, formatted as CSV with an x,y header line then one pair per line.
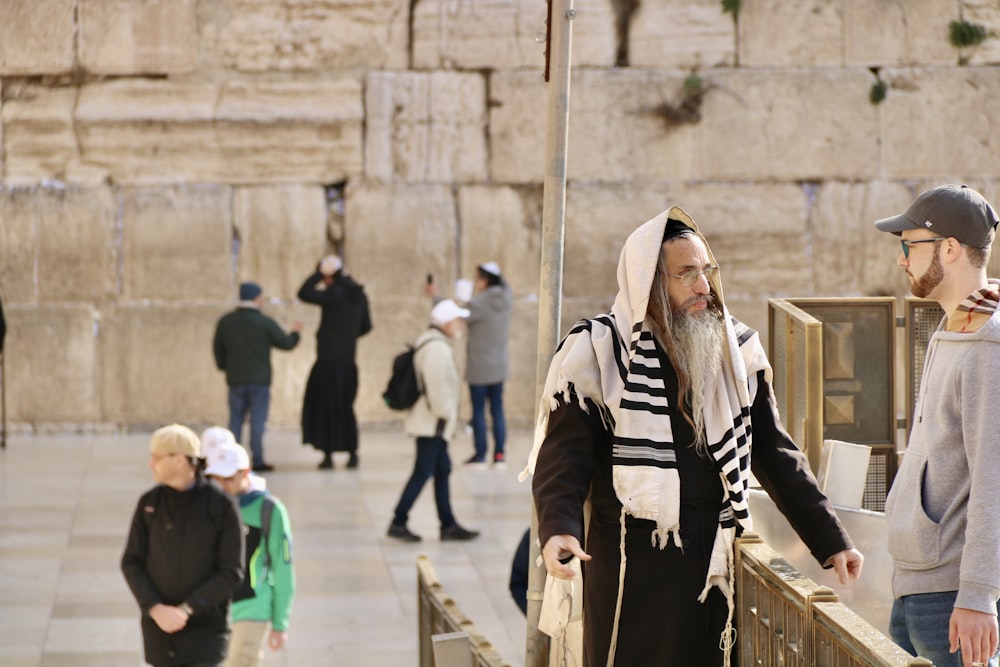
x,y
906,244
690,276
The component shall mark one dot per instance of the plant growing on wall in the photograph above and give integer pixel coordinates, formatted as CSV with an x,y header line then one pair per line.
x,y
965,35
688,109
732,7
878,91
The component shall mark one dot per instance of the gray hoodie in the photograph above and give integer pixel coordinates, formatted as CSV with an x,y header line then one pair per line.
x,y
944,533
489,329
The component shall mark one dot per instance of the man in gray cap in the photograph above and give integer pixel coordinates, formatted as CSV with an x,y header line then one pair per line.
x,y
944,536
242,346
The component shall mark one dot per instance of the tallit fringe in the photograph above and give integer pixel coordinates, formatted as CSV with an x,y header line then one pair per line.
x,y
660,537
621,590
726,583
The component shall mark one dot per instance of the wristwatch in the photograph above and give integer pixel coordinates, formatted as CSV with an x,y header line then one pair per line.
x,y
186,608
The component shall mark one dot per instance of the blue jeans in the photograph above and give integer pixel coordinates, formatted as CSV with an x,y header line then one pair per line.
x,y
255,399
479,393
432,461
919,624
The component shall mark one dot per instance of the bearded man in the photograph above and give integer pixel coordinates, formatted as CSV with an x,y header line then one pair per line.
x,y
650,413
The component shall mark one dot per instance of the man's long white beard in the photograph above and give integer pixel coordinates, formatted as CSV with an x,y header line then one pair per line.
x,y
699,339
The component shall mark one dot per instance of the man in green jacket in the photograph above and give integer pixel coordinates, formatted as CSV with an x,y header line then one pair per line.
x,y
267,591
242,346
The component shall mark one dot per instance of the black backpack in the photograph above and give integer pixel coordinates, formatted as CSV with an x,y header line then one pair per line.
x,y
404,386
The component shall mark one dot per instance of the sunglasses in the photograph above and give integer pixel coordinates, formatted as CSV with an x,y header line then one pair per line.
x,y
906,244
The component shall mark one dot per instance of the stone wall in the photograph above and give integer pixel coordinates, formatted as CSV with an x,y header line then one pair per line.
x,y
154,154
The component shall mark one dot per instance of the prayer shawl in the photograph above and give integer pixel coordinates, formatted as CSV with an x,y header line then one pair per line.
x,y
612,361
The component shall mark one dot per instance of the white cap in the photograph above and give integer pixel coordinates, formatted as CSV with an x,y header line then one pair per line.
x,y
491,267
228,459
447,310
330,264
212,437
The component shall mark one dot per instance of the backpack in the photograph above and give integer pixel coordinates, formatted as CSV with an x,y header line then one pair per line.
x,y
404,387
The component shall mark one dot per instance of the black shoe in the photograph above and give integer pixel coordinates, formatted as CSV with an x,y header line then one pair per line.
x,y
456,533
263,467
353,461
326,463
401,533
474,463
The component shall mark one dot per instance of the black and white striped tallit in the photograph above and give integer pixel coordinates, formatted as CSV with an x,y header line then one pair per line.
x,y
612,361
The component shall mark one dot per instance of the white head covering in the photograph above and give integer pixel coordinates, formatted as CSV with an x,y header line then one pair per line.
x,y
330,264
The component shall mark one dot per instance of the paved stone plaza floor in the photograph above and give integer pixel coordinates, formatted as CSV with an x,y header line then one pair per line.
x,y
66,502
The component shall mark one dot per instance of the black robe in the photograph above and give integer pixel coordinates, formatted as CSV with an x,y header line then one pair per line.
x,y
328,420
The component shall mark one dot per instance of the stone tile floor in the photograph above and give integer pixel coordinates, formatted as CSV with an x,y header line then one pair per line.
x,y
66,502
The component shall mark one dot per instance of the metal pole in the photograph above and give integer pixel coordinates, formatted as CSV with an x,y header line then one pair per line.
x,y
3,400
559,45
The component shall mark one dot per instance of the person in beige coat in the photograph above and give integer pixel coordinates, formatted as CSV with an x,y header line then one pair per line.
x,y
433,420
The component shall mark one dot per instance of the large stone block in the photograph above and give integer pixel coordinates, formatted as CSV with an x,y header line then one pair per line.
x,y
887,34
156,365
940,121
144,37
506,34
426,128
987,14
517,127
282,234
50,357
502,225
519,390
269,132
616,131
18,246
395,235
37,37
773,33
61,243
306,35
850,256
796,124
684,34
38,138
177,244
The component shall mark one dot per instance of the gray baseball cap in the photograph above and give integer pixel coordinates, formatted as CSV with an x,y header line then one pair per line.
x,y
949,211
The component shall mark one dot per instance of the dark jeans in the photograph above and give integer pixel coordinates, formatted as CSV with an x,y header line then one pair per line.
x,y
919,623
255,399
479,393
432,461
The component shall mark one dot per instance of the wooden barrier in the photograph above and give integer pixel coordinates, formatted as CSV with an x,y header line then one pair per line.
x,y
439,615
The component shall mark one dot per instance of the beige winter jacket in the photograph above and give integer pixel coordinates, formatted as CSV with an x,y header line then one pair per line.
x,y
438,375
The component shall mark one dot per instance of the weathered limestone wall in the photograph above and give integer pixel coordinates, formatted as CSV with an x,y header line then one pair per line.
x,y
155,154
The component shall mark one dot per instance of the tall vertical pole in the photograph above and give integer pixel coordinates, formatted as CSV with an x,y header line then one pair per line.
x,y
559,45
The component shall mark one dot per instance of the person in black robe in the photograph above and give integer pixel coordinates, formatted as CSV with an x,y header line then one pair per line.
x,y
328,420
